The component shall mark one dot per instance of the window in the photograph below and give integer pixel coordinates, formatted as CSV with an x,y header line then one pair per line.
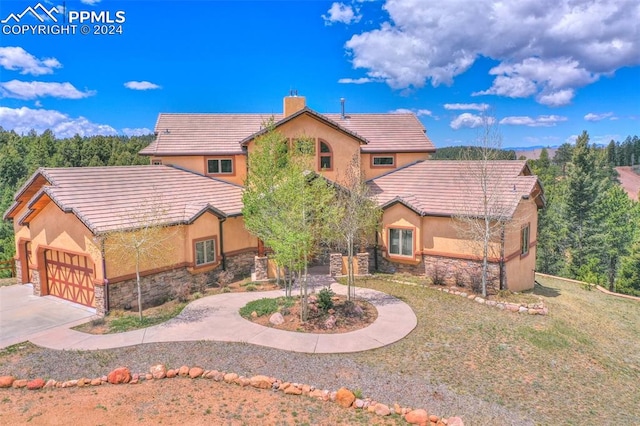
x,y
524,240
156,162
401,242
220,166
386,161
205,252
325,156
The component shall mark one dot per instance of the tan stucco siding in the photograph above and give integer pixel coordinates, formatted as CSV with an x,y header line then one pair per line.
x,y
443,236
198,164
401,217
56,230
400,159
519,268
236,236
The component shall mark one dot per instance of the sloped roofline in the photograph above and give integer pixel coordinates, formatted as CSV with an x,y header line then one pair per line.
x,y
312,113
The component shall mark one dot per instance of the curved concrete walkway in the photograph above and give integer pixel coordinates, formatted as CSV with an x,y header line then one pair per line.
x,y
216,318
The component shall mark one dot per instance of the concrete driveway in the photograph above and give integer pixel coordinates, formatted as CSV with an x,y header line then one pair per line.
x,y
23,316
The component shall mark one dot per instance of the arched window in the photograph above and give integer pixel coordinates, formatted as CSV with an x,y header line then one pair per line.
x,y
326,162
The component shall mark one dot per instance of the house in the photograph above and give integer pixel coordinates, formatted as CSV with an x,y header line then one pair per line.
x,y
65,218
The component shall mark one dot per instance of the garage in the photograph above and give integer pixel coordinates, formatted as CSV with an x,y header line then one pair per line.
x,y
70,277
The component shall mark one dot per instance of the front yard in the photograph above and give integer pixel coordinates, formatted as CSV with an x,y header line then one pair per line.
x,y
580,364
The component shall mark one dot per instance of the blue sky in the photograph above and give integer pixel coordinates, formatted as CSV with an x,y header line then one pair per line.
x,y
544,70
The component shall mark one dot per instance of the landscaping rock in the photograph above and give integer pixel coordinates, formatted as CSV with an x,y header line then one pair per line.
x,y
345,398
195,372
171,374
397,409
6,381
434,419
158,371
261,382
230,377
119,375
455,421
316,393
276,319
20,383
35,384
330,322
183,371
52,384
254,314
382,409
523,310
94,382
293,390
417,417
358,403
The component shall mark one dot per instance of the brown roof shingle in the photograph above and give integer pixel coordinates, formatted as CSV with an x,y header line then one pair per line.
x,y
108,198
212,134
449,188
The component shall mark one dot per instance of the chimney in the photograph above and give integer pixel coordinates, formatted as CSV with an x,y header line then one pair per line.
x,y
342,108
293,103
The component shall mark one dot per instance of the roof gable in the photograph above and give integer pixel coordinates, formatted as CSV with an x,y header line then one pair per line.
x,y
107,198
448,188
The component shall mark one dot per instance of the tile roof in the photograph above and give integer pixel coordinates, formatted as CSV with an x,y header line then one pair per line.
x,y
108,198
211,134
447,188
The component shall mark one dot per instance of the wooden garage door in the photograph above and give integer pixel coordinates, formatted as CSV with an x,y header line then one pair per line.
x,y
70,277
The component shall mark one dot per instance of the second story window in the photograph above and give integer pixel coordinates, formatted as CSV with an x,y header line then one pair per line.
x,y
220,166
325,156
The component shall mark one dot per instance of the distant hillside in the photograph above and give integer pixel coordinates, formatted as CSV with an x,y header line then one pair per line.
x,y
533,153
630,180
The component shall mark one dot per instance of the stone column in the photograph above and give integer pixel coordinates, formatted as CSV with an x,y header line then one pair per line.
x,y
98,294
19,272
261,268
35,280
363,263
335,264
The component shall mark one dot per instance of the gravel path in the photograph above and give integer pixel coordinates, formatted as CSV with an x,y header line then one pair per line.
x,y
323,371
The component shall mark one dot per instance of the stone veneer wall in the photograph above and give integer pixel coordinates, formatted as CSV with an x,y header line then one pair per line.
x,y
261,268
444,270
160,287
336,260
35,280
18,264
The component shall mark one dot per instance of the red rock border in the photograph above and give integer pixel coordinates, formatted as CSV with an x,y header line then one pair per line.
x,y
343,396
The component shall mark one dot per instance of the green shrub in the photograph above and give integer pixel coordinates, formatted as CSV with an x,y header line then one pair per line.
x,y
265,306
324,299
251,287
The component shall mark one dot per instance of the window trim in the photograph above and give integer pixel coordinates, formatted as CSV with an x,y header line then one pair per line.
x,y
525,240
219,159
383,166
324,154
413,241
214,261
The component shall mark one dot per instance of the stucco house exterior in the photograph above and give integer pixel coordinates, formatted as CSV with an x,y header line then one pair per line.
x,y
63,217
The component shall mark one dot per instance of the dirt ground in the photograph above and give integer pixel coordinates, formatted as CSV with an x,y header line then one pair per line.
x,y
172,402
630,181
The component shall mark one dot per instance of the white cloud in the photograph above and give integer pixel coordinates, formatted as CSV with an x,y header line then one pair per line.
x,y
599,117
37,89
90,2
38,104
417,112
574,42
141,85
18,59
362,80
470,120
138,131
340,12
472,107
24,119
539,121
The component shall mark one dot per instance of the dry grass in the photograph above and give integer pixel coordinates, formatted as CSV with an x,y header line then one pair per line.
x,y
580,362
7,281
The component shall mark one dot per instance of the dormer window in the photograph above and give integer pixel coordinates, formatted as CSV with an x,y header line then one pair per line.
x,y
325,156
220,166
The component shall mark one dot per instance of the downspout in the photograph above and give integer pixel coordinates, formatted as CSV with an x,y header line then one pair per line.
x,y
106,280
224,257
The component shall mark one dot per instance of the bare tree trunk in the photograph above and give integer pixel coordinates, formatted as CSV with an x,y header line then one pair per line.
x,y
139,286
350,274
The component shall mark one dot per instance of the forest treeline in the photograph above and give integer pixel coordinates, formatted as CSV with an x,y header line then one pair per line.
x,y
21,155
590,228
